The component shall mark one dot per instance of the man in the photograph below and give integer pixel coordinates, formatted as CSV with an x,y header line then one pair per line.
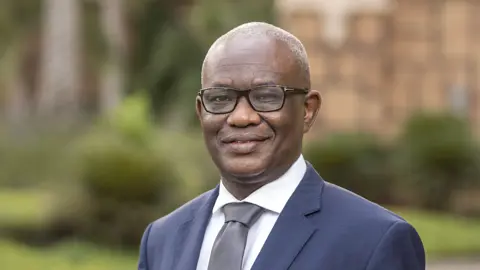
x,y
271,210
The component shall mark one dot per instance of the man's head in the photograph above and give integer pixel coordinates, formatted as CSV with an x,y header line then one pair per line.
x,y
255,138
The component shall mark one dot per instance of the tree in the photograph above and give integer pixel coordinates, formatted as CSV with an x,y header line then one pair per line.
x,y
18,20
60,71
113,80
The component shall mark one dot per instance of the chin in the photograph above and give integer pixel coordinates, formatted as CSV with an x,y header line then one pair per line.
x,y
244,175
247,175
247,168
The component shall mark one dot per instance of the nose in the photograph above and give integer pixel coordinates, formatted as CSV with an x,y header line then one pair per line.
x,y
243,115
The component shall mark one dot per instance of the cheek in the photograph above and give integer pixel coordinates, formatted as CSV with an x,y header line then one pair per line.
x,y
211,122
211,125
287,121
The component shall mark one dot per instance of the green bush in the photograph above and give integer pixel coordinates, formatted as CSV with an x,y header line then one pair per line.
x,y
118,169
357,162
436,155
195,166
124,180
34,157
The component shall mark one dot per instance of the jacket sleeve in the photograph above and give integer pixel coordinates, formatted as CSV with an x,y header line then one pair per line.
x,y
143,260
399,249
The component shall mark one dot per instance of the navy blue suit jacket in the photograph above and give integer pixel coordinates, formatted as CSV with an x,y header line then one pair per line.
x,y
322,227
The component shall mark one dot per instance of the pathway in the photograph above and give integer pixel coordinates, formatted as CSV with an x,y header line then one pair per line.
x,y
454,265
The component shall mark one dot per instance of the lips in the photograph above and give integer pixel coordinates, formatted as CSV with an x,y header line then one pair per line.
x,y
243,143
244,138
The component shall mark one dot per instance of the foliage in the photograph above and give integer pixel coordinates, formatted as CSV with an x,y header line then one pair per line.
x,y
192,161
173,42
67,256
16,19
131,119
357,162
31,207
436,154
211,18
125,182
93,40
35,156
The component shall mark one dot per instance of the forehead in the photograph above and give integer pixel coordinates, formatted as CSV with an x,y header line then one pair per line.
x,y
242,62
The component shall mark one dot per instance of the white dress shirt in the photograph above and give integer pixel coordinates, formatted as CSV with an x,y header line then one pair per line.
x,y
271,197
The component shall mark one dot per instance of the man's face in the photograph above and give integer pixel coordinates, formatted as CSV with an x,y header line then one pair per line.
x,y
244,143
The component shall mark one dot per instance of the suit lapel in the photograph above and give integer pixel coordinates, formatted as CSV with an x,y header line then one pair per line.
x,y
189,237
293,229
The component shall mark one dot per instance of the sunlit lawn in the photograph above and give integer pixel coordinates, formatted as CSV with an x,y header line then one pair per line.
x,y
442,234
30,208
65,257
23,207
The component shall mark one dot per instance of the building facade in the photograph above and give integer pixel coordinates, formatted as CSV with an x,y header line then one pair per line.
x,y
377,61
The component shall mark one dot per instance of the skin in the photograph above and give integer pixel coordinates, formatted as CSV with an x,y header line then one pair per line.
x,y
244,63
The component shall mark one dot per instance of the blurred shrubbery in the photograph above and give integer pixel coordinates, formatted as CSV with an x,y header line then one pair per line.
x,y
434,156
358,162
127,182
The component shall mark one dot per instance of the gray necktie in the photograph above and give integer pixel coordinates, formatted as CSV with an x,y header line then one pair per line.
x,y
229,246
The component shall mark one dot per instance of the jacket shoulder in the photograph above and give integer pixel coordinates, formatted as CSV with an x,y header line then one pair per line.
x,y
182,214
355,208
157,237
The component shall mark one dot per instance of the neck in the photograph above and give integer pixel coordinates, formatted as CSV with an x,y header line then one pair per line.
x,y
242,186
241,190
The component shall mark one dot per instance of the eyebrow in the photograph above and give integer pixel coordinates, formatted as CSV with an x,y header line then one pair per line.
x,y
263,83
260,83
221,85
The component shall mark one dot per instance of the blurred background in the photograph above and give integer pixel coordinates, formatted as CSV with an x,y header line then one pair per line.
x,y
98,133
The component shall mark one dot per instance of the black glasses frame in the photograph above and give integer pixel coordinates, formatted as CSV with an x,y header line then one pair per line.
x,y
246,93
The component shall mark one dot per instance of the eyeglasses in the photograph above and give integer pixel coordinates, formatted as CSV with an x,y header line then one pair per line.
x,y
266,98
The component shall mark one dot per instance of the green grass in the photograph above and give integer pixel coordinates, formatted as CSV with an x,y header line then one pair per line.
x,y
23,207
31,208
66,257
444,234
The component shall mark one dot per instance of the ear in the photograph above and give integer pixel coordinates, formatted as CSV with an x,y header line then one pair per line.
x,y
199,108
313,102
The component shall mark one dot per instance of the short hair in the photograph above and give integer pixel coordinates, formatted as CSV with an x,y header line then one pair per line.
x,y
262,29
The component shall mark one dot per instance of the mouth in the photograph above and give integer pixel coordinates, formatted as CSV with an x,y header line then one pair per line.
x,y
244,145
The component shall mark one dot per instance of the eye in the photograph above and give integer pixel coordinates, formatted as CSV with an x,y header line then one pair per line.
x,y
221,98
266,96
270,94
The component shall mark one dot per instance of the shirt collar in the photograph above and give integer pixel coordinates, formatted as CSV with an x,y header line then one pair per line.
x,y
272,196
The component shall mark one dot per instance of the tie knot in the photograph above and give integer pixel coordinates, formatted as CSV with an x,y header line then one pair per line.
x,y
245,213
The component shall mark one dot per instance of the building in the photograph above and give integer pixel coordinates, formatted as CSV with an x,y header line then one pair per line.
x,y
377,61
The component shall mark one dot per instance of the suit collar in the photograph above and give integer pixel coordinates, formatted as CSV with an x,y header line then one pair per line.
x,y
189,236
293,228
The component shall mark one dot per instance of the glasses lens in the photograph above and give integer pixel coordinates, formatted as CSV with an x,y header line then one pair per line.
x,y
267,98
218,100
